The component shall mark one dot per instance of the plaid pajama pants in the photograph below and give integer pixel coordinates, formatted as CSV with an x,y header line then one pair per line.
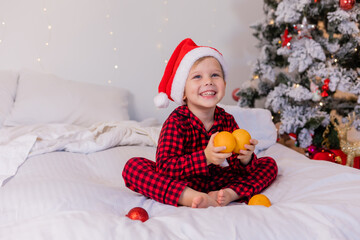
x,y
140,176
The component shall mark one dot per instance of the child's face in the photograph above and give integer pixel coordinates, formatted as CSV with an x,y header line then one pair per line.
x,y
205,85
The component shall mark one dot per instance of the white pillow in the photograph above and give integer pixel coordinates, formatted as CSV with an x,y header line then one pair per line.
x,y
257,121
8,84
45,98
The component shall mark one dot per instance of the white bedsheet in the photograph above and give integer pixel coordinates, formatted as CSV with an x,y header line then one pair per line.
x,y
64,195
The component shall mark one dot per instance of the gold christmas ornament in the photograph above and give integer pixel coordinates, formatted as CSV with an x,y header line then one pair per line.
x,y
351,149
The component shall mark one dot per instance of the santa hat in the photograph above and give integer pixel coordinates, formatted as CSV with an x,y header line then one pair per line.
x,y
177,70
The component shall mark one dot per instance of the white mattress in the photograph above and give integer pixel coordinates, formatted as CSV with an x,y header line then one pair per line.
x,y
62,195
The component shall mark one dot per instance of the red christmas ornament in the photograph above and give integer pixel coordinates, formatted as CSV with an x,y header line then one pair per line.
x,y
285,39
312,150
324,155
324,94
341,155
235,94
343,158
325,88
138,213
347,4
331,155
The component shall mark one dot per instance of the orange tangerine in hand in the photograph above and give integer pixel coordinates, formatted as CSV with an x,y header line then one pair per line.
x,y
242,137
259,199
226,139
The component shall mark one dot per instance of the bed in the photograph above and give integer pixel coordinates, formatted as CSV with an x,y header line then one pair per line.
x,y
61,173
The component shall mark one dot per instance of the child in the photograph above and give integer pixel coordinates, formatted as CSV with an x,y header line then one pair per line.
x,y
187,171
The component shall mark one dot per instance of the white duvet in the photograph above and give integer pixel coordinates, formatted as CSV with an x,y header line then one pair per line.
x,y
75,195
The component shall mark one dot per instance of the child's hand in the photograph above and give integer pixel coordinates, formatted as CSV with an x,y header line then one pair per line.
x,y
245,155
213,154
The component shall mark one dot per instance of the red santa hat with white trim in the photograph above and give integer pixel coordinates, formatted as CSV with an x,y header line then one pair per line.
x,y
177,70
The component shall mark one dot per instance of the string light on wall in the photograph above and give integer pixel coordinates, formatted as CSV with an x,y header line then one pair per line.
x,y
111,33
2,30
115,41
163,25
48,26
114,49
47,41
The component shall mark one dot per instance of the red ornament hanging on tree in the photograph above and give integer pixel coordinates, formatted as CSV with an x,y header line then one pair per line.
x,y
235,95
285,39
325,88
347,4
324,94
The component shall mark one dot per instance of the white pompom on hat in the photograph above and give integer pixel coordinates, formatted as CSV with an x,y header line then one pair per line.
x,y
177,70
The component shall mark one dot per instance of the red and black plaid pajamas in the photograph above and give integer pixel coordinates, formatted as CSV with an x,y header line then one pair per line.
x,y
181,162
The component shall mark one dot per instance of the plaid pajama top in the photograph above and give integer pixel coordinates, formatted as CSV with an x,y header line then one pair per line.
x,y
183,138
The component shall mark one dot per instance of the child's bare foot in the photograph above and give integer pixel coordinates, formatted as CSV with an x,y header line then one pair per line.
x,y
224,196
203,201
195,199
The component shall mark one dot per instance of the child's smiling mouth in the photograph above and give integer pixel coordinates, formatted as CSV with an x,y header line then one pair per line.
x,y
208,93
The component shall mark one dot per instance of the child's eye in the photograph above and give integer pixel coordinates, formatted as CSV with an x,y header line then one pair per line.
x,y
215,75
196,77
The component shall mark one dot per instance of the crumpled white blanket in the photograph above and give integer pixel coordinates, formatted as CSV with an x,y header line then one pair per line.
x,y
19,143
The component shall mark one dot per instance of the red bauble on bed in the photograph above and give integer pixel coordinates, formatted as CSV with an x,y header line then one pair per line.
x,y
138,213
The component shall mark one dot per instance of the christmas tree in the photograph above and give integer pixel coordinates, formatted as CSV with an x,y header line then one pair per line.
x,y
309,66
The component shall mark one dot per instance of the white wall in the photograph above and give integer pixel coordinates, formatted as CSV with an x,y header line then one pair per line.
x,y
144,33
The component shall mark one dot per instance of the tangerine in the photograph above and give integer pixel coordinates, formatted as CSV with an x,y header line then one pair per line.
x,y
226,139
242,137
259,199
